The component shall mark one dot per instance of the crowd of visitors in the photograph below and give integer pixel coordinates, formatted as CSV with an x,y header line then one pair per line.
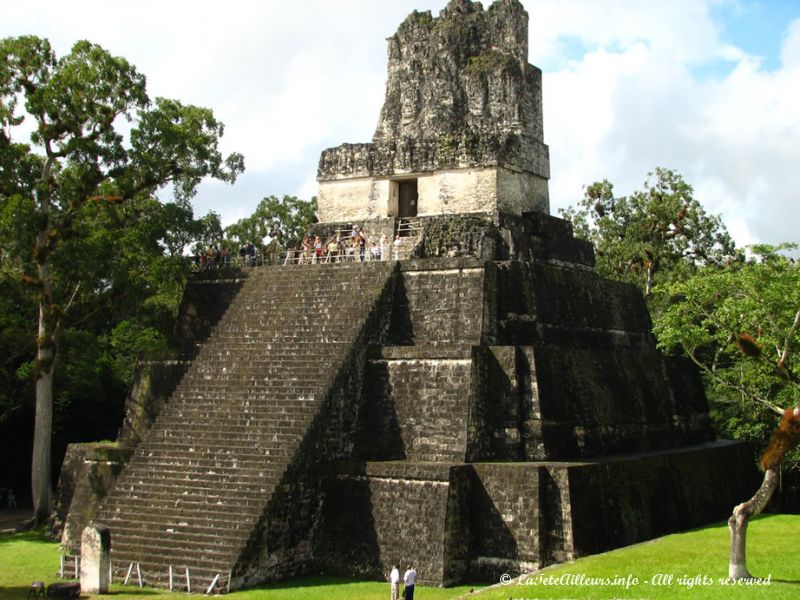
x,y
339,247
248,255
353,247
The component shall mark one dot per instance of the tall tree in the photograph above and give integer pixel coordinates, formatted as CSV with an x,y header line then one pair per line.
x,y
654,235
79,158
741,326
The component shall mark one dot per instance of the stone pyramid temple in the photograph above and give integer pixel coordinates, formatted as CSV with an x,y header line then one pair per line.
x,y
482,403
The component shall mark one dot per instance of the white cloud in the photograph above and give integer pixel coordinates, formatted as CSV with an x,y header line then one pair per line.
x,y
634,104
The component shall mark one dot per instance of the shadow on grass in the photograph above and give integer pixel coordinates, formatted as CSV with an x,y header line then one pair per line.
x,y
717,525
309,581
31,535
14,592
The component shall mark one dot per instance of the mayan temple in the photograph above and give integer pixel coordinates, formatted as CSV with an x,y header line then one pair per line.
x,y
483,403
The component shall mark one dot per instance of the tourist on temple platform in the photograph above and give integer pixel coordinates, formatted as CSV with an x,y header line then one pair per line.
x,y
333,249
361,241
375,251
409,578
384,244
394,581
318,249
305,250
396,244
251,254
274,249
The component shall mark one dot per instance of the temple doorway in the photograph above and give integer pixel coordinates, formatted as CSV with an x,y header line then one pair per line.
x,y
407,198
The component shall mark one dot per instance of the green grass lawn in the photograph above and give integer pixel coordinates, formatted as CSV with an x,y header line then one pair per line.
x,y
695,560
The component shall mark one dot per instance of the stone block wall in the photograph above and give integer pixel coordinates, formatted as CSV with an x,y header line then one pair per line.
x,y
500,403
639,497
506,520
567,299
379,514
438,305
416,407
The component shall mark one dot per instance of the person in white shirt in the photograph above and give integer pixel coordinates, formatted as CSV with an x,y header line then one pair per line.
x,y
394,579
408,580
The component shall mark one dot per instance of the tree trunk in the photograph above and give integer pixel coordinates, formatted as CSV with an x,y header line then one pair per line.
x,y
737,566
41,478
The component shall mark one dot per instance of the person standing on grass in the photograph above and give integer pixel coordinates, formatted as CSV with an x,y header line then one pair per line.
x,y
394,580
408,581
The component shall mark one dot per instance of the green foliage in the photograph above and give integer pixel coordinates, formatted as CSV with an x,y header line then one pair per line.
x,y
658,234
79,225
712,315
288,219
488,62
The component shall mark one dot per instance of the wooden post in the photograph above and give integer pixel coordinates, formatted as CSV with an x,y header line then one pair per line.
x,y
213,583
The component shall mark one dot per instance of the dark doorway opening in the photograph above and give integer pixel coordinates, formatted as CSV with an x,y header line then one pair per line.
x,y
407,198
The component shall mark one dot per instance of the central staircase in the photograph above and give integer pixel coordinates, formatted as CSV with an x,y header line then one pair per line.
x,y
198,490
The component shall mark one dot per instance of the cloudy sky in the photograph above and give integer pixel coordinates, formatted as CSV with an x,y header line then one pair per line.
x,y
710,88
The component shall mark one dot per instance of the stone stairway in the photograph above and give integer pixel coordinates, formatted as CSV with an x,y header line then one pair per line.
x,y
198,486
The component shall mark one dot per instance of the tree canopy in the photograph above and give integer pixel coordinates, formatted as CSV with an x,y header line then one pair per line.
x,y
741,325
99,150
656,234
288,219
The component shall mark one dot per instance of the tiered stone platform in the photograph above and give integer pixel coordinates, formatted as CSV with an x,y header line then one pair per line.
x,y
474,416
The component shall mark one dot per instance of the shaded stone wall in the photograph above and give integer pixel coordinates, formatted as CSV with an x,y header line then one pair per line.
x,y
436,304
506,520
416,408
621,502
378,514
87,476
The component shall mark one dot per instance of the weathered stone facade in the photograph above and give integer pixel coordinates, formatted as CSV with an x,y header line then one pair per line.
x,y
490,405
464,413
462,121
